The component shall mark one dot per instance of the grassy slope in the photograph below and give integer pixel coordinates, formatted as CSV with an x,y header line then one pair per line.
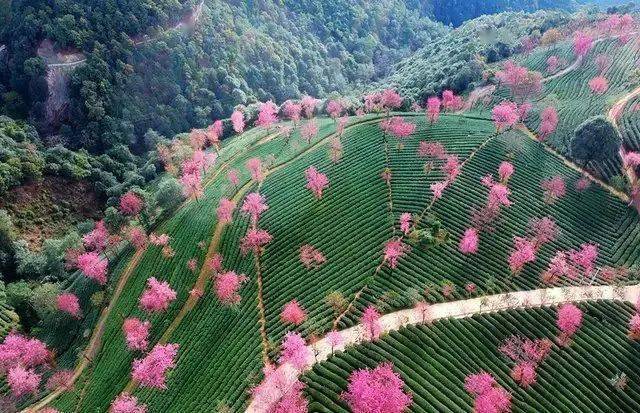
x,y
433,361
219,357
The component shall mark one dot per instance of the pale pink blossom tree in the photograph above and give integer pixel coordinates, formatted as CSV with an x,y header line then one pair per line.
x,y
309,130
227,286
308,106
451,102
293,111
598,85
157,296
316,181
254,166
237,121
61,379
554,188
438,188
293,313
582,44
505,170
548,122
334,109
311,257
233,178
192,186
96,239
136,333
378,390
225,210
405,222
69,303
553,63
334,339
505,115
126,403
137,238
523,253
151,371
255,240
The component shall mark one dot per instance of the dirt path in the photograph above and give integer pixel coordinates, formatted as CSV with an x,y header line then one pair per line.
x,y
462,309
94,343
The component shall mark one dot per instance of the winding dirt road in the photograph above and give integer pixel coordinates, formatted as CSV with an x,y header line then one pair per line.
x,y
456,309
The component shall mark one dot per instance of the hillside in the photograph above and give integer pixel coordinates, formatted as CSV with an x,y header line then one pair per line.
x,y
361,253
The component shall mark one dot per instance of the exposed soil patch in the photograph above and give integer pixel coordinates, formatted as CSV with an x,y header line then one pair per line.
x,y
48,208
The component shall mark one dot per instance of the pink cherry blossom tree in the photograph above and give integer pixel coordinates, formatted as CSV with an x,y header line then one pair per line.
x,y
334,109
505,115
316,181
582,44
61,379
131,204
311,257
237,120
569,321
136,333
489,397
254,205
293,313
227,286
96,239
225,210
137,238
309,131
469,242
292,111
126,403
255,240
405,222
157,296
69,303
192,185
371,322
151,371
598,85
233,178
438,188
523,253
548,122
432,149
94,267
254,166
398,127
335,339
433,109
394,249
308,106
553,63
295,351
377,390
451,102
23,381
554,188
505,170
268,114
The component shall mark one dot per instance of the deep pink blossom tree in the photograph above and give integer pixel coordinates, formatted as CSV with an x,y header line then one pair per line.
x,y
18,350
136,333
452,167
398,127
268,114
479,383
371,323
96,239
523,253
451,102
69,303
394,249
131,204
157,296
585,258
433,109
227,286
254,205
126,403
405,222
151,371
489,397
295,351
311,257
293,313
225,210
94,267
316,181
582,44
237,120
378,390
23,381
138,238
309,130
569,321
469,242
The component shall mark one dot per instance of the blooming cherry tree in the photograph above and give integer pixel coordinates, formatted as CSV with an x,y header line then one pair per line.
x,y
227,286
378,390
569,321
295,351
151,371
136,333
69,303
469,242
293,313
157,296
371,322
433,109
94,267
126,403
316,181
